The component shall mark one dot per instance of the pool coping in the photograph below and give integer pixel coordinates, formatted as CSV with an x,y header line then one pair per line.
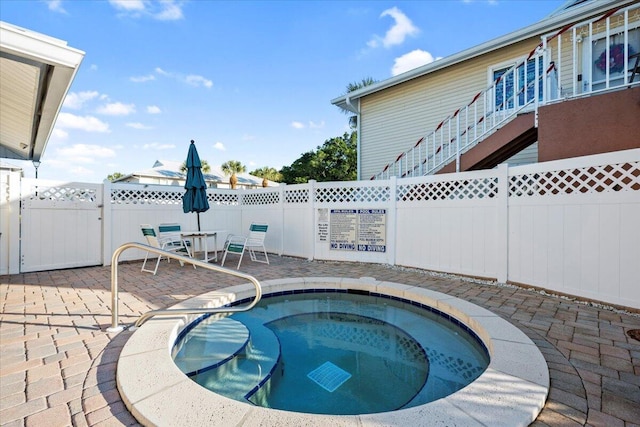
x,y
511,392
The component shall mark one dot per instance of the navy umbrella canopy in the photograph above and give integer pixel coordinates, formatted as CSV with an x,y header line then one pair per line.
x,y
195,198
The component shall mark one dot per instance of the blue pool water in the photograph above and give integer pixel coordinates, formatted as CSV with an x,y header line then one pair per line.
x,y
332,352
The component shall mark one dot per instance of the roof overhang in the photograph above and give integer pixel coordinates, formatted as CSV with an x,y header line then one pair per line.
x,y
574,14
36,72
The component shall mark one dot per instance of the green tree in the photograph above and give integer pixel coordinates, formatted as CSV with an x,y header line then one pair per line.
x,y
206,168
266,172
114,176
353,86
233,167
335,160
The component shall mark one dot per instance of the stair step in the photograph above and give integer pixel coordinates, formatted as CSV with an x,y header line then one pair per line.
x,y
211,346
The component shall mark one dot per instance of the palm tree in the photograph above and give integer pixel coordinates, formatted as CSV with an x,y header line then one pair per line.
x,y
232,167
205,166
352,87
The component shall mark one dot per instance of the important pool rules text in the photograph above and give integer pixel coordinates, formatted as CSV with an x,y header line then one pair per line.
x,y
362,230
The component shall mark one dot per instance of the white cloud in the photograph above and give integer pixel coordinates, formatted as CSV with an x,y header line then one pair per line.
x,y
411,60
143,79
169,12
396,35
84,153
59,134
162,10
75,100
219,146
117,109
136,125
128,5
86,123
314,125
198,81
153,109
56,6
190,79
297,125
157,146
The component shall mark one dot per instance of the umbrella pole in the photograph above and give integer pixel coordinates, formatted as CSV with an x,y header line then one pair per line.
x,y
198,213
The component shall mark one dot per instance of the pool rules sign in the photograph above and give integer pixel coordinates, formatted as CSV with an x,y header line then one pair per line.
x,y
363,230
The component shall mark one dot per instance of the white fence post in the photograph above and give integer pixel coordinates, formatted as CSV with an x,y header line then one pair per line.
x,y
107,250
502,224
313,213
392,218
11,234
281,190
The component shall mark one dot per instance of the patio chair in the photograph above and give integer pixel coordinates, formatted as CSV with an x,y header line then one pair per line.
x,y
254,244
165,244
170,234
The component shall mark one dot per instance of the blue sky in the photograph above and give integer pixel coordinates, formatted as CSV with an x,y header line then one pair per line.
x,y
248,81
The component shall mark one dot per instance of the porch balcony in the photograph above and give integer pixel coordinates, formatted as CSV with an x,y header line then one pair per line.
x,y
576,93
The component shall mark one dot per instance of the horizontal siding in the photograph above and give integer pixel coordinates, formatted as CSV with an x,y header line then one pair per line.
x,y
525,157
393,120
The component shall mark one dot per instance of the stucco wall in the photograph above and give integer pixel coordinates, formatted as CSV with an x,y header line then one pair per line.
x,y
593,125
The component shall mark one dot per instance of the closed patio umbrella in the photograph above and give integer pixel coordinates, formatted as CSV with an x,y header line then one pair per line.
x,y
195,198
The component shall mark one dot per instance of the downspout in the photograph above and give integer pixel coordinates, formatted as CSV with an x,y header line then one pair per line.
x,y
357,129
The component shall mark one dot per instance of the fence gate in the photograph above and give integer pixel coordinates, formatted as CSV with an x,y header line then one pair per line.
x,y
61,225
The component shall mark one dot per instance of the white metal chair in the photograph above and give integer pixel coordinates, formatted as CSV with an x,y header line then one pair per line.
x,y
254,244
165,244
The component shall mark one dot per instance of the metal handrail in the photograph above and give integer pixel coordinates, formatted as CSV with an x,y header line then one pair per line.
x,y
170,312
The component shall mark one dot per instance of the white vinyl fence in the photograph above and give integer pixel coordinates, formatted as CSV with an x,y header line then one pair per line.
x,y
569,226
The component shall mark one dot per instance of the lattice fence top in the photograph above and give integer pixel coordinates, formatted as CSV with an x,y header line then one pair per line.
x,y
465,189
343,194
226,198
137,196
296,196
261,198
65,194
590,179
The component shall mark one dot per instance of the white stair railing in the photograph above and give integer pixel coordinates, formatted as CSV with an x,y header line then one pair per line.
x,y
468,125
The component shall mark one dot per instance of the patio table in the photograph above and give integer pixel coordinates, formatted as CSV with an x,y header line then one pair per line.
x,y
202,236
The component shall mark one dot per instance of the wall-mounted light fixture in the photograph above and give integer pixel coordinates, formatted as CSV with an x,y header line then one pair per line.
x,y
353,122
36,164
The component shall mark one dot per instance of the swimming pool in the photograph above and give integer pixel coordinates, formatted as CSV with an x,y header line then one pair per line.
x,y
332,351
511,391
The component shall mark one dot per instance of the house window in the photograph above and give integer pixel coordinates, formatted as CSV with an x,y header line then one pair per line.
x,y
598,62
524,84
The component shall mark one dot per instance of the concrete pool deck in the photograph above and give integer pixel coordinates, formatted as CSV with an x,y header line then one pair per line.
x,y
58,363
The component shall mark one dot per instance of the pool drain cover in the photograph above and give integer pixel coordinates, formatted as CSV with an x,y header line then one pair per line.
x,y
329,376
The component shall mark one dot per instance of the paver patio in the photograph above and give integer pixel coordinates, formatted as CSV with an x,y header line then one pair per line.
x,y
58,363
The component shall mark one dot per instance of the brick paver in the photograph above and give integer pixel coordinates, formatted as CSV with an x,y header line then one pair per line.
x,y
58,363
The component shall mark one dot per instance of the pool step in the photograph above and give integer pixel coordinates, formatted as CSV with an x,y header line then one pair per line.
x,y
247,372
214,344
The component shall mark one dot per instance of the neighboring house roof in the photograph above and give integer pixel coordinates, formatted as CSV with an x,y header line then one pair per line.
x,y
36,72
572,11
9,167
170,170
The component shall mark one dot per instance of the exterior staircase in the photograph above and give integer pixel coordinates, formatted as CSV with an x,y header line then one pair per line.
x,y
502,120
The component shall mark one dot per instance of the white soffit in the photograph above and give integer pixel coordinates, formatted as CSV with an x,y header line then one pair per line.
x,y
36,72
